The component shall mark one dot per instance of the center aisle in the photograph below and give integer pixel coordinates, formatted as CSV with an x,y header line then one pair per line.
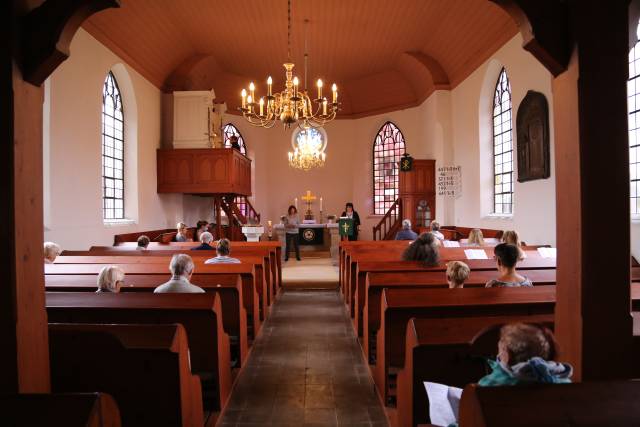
x,y
305,369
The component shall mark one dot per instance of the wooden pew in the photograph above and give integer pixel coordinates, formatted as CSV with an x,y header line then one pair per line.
x,y
369,323
588,404
144,367
442,350
59,409
200,314
228,286
207,275
399,305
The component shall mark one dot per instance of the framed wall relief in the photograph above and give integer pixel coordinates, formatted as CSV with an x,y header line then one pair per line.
x,y
532,130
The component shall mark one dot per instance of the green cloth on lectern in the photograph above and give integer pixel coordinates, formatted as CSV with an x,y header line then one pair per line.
x,y
346,226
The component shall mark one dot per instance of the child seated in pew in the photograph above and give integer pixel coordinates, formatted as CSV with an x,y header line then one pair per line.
x,y
506,258
424,248
223,249
143,243
457,273
181,267
511,237
475,238
110,279
51,252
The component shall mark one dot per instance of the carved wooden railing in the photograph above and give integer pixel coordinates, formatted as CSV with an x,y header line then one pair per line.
x,y
390,222
236,219
250,212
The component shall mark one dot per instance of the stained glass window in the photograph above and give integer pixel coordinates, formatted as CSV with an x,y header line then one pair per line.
x,y
112,151
633,106
230,130
388,148
502,147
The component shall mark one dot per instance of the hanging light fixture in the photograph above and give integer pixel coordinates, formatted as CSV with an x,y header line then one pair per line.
x,y
308,149
292,105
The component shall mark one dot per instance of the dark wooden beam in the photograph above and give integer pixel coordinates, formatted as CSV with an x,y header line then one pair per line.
x,y
47,32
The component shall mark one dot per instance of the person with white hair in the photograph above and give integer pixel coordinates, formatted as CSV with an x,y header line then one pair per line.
x,y
205,239
181,267
51,252
435,230
406,233
181,235
110,279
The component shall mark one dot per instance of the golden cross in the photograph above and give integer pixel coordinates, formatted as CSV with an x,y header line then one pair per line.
x,y
308,198
345,227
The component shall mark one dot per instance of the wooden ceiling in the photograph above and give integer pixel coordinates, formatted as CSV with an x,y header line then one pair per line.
x,y
384,55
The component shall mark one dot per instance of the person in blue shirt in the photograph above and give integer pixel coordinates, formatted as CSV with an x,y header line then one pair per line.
x,y
406,233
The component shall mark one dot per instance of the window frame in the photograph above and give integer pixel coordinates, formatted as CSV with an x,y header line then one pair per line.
x,y
226,135
111,83
633,128
498,120
382,137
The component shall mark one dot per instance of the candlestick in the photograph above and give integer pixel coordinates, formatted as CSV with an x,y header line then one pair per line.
x,y
320,204
295,86
252,90
295,203
334,89
261,105
244,98
319,89
324,107
269,84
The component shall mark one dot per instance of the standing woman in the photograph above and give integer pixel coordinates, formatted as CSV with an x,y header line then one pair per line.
x,y
349,212
291,227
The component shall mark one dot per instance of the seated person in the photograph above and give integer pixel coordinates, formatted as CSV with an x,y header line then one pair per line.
x,y
475,238
181,268
223,249
506,258
525,356
511,237
205,238
143,243
406,233
181,227
424,248
457,273
110,279
201,227
51,252
435,230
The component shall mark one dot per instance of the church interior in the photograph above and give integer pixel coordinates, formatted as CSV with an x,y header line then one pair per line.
x,y
320,213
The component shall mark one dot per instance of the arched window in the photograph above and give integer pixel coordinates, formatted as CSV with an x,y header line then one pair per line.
x,y
388,148
633,105
230,130
502,147
112,151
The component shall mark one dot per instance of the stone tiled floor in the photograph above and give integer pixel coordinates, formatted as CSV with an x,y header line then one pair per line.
x,y
305,369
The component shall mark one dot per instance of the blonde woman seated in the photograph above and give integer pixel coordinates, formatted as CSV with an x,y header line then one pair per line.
x,y
457,274
51,252
435,230
182,233
424,248
110,279
511,237
506,259
143,243
223,249
475,238
181,268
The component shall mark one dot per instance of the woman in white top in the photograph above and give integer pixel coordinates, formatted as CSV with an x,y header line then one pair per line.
x,y
110,279
223,249
291,227
182,232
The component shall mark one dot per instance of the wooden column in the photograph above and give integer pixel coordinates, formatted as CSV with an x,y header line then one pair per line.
x,y
593,321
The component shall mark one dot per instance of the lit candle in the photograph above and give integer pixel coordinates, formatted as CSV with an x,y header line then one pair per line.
x,y
295,203
261,106
334,89
269,84
319,88
252,90
249,101
295,86
290,156
244,98
324,107
320,204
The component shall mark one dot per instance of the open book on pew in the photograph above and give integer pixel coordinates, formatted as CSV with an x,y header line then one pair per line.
x,y
548,252
444,403
451,244
475,254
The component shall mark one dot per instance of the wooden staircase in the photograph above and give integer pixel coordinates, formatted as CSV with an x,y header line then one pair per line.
x,y
390,223
239,211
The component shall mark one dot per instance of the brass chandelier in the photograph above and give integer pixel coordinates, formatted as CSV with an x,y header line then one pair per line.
x,y
308,149
292,105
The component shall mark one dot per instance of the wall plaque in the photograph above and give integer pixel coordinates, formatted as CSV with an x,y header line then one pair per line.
x,y
532,129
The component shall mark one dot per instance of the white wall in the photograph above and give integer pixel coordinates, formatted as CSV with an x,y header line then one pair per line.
x,y
452,127
73,185
534,202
